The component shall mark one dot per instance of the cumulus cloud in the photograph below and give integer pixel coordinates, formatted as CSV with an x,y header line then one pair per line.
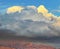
x,y
31,23
42,9
14,9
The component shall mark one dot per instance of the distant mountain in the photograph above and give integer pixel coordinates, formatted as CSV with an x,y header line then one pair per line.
x,y
5,33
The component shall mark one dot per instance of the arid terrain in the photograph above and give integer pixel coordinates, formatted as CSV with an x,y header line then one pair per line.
x,y
22,44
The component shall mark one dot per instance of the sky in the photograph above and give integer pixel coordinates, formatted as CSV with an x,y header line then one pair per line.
x,y
52,5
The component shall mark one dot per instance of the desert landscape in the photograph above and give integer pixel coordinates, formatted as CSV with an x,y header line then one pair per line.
x,y
22,44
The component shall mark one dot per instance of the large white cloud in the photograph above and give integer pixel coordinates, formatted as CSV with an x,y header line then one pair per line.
x,y
31,23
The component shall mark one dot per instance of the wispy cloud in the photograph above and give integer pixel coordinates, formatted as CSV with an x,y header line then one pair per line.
x,y
55,11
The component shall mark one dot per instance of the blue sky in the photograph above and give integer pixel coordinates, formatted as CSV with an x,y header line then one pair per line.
x,y
49,4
